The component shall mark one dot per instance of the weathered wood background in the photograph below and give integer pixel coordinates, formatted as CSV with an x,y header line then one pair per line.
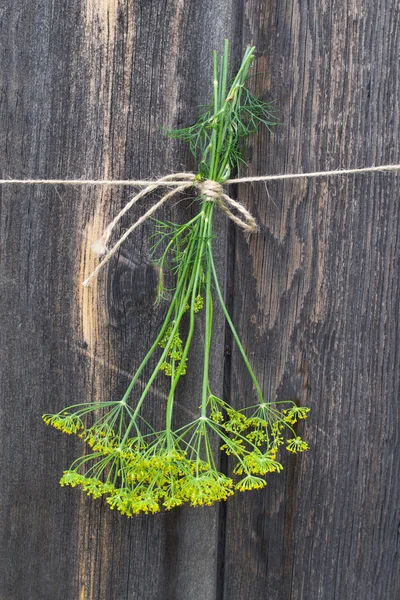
x,y
84,89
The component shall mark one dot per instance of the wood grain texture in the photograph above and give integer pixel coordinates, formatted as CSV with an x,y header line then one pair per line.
x,y
317,298
85,87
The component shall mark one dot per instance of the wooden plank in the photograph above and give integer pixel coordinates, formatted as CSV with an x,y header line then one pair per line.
x,y
86,87
317,300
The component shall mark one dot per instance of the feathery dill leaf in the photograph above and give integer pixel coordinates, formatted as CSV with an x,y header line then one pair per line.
x,y
217,139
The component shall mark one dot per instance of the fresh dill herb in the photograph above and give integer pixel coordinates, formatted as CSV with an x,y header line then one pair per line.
x,y
141,469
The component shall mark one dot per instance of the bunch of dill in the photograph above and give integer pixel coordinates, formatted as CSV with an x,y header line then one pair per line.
x,y
135,466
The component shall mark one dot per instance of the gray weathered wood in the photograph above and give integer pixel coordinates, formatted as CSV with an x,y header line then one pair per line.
x,y
317,298
85,87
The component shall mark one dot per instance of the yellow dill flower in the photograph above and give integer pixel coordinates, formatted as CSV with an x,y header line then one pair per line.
x,y
198,303
233,446
172,501
217,416
258,436
258,464
258,430
67,423
296,445
132,502
71,478
175,353
90,485
118,500
250,483
94,487
167,368
237,421
295,413
277,437
147,505
172,492
100,439
273,452
207,488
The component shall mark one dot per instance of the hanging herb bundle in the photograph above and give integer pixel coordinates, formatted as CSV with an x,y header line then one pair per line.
x,y
141,469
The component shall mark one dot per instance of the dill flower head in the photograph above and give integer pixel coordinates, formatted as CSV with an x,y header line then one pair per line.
x,y
65,422
130,503
198,303
234,446
206,488
297,445
101,439
258,463
295,413
174,352
157,467
90,485
236,421
250,483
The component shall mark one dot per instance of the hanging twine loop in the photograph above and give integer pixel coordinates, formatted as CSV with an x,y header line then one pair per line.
x,y
209,190
213,191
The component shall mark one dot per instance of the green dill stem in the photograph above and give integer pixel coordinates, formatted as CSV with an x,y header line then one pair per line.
x,y
213,158
175,327
206,213
223,81
208,322
224,72
174,238
161,333
238,82
235,335
85,407
222,104
231,103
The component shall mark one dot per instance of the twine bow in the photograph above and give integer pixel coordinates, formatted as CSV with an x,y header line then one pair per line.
x,y
209,190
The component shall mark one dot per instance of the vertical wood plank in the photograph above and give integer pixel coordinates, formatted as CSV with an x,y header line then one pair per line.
x,y
86,88
317,299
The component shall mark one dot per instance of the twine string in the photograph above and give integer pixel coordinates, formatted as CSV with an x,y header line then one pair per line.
x,y
210,190
172,182
213,191
99,247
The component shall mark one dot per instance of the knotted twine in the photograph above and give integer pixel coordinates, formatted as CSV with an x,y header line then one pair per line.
x,y
208,189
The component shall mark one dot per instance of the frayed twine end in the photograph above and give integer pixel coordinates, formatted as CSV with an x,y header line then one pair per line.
x,y
99,247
